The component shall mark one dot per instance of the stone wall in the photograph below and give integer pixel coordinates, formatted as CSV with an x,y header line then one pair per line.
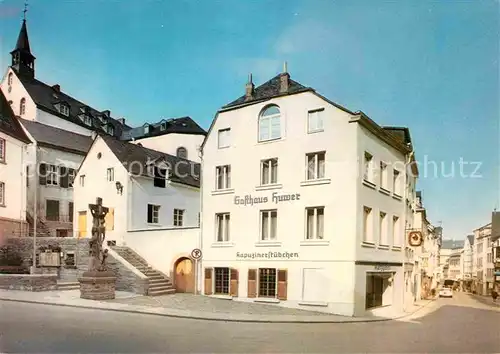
x,y
11,227
126,280
28,282
24,245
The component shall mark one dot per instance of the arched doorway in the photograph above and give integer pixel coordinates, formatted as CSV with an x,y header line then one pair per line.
x,y
184,276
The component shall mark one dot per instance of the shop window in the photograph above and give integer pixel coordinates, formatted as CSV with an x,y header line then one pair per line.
x,y
267,282
221,281
378,289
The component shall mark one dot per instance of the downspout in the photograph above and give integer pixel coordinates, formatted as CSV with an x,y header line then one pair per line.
x,y
35,206
405,196
24,195
200,241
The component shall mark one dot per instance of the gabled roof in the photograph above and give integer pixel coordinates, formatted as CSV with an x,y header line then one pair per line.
x,y
268,90
9,123
46,97
56,138
183,125
400,133
135,158
471,239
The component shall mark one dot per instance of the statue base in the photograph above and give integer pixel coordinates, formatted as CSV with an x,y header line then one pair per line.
x,y
97,285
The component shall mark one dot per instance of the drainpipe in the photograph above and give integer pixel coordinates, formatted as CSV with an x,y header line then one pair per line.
x,y
405,196
200,241
35,207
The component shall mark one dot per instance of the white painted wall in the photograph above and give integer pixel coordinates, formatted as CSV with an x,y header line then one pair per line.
x,y
55,121
169,143
12,174
15,93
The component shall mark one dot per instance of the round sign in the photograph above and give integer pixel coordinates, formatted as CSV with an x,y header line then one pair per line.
x,y
196,253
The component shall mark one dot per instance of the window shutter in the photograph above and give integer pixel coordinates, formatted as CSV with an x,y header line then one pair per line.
x,y
110,219
64,179
234,283
42,173
252,283
208,281
282,284
150,213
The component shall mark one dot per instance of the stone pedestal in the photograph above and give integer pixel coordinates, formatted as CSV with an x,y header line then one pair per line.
x,y
97,285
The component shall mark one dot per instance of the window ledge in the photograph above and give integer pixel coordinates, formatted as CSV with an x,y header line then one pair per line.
x,y
384,191
222,244
265,187
268,141
368,244
315,182
315,131
268,244
383,247
268,300
314,243
223,297
152,224
397,196
396,248
223,147
3,162
3,206
313,303
369,184
223,191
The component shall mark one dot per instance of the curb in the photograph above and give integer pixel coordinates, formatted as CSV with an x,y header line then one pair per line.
x,y
219,319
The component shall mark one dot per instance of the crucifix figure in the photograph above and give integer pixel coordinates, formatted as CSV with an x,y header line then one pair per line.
x,y
25,10
96,252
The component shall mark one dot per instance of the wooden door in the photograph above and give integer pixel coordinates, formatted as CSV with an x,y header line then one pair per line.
x,y
184,276
82,224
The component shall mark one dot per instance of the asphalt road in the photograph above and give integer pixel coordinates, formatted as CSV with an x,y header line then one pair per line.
x,y
458,325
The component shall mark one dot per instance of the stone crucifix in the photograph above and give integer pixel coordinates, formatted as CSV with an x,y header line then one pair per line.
x,y
96,252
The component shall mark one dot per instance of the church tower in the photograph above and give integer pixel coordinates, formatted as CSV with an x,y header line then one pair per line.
x,y
23,62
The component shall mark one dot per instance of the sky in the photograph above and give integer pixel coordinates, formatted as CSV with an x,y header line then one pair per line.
x,y
432,66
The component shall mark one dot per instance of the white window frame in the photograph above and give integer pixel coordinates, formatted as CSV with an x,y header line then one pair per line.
x,y
224,138
396,240
155,214
315,122
368,167
52,175
266,124
396,182
314,166
64,109
383,175
383,236
272,166
225,172
367,224
179,217
270,237
71,177
2,193
110,174
82,180
3,145
87,120
222,220
314,234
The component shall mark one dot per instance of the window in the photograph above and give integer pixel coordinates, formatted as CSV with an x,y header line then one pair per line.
x,y
71,177
70,260
224,138
87,120
269,171
222,227
395,182
489,257
22,107
160,177
267,282
2,193
222,278
27,176
315,121
378,290
269,124
52,210
111,130
383,229
367,172
269,223
82,180
383,175
315,223
163,126
111,174
146,129
367,225
315,165
223,177
395,231
2,150
178,217
153,214
182,152
64,110
61,233
52,175
70,211
9,79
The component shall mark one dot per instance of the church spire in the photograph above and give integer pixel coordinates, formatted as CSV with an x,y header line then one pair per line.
x,y
22,59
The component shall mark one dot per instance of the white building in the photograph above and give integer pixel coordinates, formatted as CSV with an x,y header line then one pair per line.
x,y
304,203
153,200
13,143
467,262
483,267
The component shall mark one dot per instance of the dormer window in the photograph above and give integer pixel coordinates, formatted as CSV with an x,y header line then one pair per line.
x,y
110,129
86,119
182,152
146,129
163,126
64,109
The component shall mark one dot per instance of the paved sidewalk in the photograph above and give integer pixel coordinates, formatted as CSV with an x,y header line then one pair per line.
x,y
487,300
184,305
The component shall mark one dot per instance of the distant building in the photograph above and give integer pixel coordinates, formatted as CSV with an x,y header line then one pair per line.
x,y
483,267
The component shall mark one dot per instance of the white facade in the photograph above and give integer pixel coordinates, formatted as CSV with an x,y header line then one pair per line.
x,y
332,271
12,185
467,260
483,267
169,143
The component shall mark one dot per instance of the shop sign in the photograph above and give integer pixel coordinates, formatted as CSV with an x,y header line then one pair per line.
x,y
275,198
267,255
382,267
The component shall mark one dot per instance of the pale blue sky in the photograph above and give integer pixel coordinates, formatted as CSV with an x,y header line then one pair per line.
x,y
432,66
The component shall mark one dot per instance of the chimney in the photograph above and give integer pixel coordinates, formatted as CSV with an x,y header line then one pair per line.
x,y
249,88
121,120
57,88
284,79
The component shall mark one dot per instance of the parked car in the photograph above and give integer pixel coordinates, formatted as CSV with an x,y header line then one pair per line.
x,y
445,292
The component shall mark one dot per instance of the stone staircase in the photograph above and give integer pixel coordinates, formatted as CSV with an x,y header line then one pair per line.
x,y
68,285
158,283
